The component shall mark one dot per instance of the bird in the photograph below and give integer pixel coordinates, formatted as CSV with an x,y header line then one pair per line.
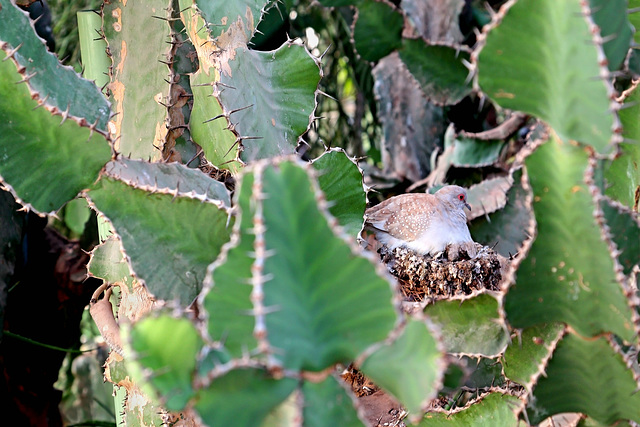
x,y
424,223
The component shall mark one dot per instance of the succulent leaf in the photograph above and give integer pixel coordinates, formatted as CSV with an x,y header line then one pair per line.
x,y
170,238
377,30
340,180
410,367
171,361
59,85
439,69
538,58
39,149
569,274
472,327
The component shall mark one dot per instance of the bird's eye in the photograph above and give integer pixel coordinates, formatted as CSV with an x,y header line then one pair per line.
x,y
461,197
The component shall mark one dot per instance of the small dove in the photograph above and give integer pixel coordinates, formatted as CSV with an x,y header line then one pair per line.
x,y
424,223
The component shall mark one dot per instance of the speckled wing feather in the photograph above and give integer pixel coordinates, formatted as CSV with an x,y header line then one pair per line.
x,y
417,211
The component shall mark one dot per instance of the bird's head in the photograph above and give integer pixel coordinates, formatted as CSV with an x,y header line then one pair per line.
x,y
454,195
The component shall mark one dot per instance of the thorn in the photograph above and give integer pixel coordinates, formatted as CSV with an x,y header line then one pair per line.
x,y
258,31
27,77
237,141
223,85
215,118
240,109
325,52
65,114
327,95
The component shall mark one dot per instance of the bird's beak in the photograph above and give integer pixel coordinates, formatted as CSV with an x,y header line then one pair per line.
x,y
466,205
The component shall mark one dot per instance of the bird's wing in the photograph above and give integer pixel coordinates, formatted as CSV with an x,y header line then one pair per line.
x,y
415,218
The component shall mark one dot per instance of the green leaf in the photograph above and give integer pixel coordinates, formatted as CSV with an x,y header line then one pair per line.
x,y
328,404
471,327
222,15
568,275
623,173
611,17
311,329
377,30
341,181
169,177
494,409
108,263
470,152
507,229
76,215
439,70
228,302
279,89
58,84
40,151
540,60
410,368
138,96
214,136
634,19
526,356
624,227
170,240
171,361
249,389
586,376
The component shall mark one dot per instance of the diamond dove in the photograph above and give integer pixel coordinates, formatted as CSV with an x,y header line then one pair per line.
x,y
424,223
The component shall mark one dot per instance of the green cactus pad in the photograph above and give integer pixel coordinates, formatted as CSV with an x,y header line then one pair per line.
x,y
377,30
509,227
528,353
410,367
108,263
341,181
624,226
494,409
139,85
229,296
169,239
169,177
615,29
221,15
568,275
472,326
60,85
39,150
439,69
265,100
279,87
250,389
171,361
623,173
469,152
289,245
586,376
327,403
540,60
218,142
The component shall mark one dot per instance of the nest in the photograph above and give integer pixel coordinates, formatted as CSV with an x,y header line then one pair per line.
x,y
424,277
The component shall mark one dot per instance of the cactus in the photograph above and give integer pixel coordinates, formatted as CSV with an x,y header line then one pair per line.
x,y
242,289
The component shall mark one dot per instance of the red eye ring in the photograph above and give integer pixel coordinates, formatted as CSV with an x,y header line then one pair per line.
x,y
461,197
